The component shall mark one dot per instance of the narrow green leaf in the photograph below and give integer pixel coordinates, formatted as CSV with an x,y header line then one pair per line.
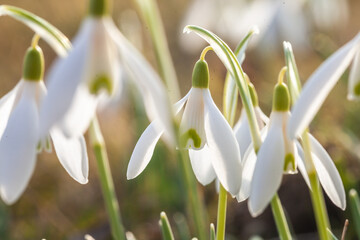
x,y
292,73
230,90
229,60
212,232
165,227
355,210
182,226
331,235
57,40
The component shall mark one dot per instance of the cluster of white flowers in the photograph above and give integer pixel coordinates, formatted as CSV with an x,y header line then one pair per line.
x,y
32,116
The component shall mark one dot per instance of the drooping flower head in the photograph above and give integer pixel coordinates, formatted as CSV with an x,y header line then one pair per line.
x,y
212,145
277,155
19,132
91,72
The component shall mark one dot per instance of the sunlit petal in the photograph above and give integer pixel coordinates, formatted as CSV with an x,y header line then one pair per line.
x,y
63,80
300,159
72,155
18,147
148,82
318,87
269,167
328,174
249,162
192,124
201,162
222,142
354,79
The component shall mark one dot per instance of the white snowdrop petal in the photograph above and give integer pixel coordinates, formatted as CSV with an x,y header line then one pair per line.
x,y
202,165
63,80
300,159
354,78
318,87
148,82
80,113
143,150
7,103
269,167
192,122
249,162
242,133
328,174
72,155
222,142
18,148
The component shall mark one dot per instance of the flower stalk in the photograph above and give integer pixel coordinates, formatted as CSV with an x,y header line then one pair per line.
x,y
107,183
280,219
317,197
221,215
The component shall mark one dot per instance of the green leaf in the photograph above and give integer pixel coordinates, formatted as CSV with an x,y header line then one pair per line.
x,y
231,63
355,210
57,40
165,227
331,235
230,91
212,232
292,73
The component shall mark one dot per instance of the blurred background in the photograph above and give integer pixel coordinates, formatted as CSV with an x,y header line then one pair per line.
x,y
56,207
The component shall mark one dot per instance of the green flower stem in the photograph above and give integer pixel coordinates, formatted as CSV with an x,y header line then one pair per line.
x,y
107,183
280,219
196,203
221,216
317,197
151,16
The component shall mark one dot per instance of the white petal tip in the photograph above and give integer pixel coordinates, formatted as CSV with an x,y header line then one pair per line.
x,y
9,199
83,181
131,175
254,212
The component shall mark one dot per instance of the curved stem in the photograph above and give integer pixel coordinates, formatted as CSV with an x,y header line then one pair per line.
x,y
107,183
221,216
280,219
196,206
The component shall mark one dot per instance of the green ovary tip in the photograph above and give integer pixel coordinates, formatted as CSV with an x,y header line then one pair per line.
x,y
200,76
101,82
289,165
191,134
357,89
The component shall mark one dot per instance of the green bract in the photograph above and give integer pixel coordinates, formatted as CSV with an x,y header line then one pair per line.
x,y
200,76
253,95
281,98
99,8
33,67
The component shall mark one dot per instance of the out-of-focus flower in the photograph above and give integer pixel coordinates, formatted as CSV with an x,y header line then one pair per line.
x,y
276,19
320,83
91,73
212,145
19,131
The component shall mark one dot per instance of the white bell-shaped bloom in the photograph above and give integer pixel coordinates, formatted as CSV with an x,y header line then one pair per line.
x,y
320,83
212,145
19,134
77,83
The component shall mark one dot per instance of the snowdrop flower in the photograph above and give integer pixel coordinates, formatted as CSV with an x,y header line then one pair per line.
x,y
274,18
280,154
19,131
320,83
91,73
212,145
242,128
277,154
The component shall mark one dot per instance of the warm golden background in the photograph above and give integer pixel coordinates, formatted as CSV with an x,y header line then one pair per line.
x,y
56,207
